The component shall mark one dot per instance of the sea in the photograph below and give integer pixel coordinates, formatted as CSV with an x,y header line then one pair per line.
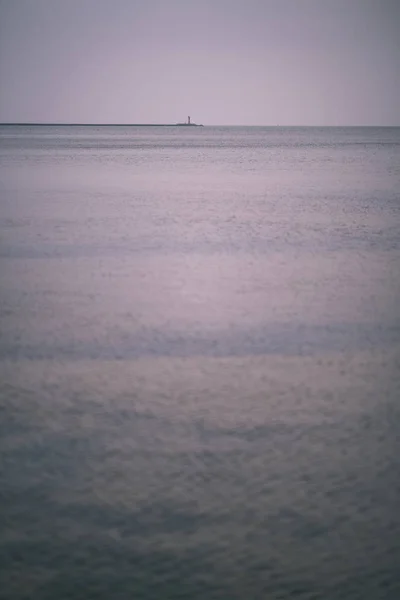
x,y
199,363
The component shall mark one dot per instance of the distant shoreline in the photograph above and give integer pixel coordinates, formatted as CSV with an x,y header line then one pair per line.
x,y
100,125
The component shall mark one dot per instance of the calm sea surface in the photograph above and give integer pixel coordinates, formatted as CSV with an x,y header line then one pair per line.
x,y
199,363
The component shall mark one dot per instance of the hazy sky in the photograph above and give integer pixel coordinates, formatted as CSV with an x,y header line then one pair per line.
x,y
256,62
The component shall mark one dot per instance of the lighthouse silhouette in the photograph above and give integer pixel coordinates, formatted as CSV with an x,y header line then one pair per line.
x,y
188,120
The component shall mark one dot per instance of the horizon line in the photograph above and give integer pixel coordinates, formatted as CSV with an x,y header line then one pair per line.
x,y
65,124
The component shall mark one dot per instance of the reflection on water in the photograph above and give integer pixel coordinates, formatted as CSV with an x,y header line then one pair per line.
x,y
199,358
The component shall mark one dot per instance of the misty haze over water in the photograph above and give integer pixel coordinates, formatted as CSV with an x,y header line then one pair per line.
x,y
199,363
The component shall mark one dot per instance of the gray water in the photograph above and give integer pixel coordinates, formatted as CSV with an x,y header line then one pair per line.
x,y
199,363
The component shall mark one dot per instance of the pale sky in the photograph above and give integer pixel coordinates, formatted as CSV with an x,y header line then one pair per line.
x,y
255,62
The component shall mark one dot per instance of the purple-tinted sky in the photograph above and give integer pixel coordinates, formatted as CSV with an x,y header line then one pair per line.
x,y
256,62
